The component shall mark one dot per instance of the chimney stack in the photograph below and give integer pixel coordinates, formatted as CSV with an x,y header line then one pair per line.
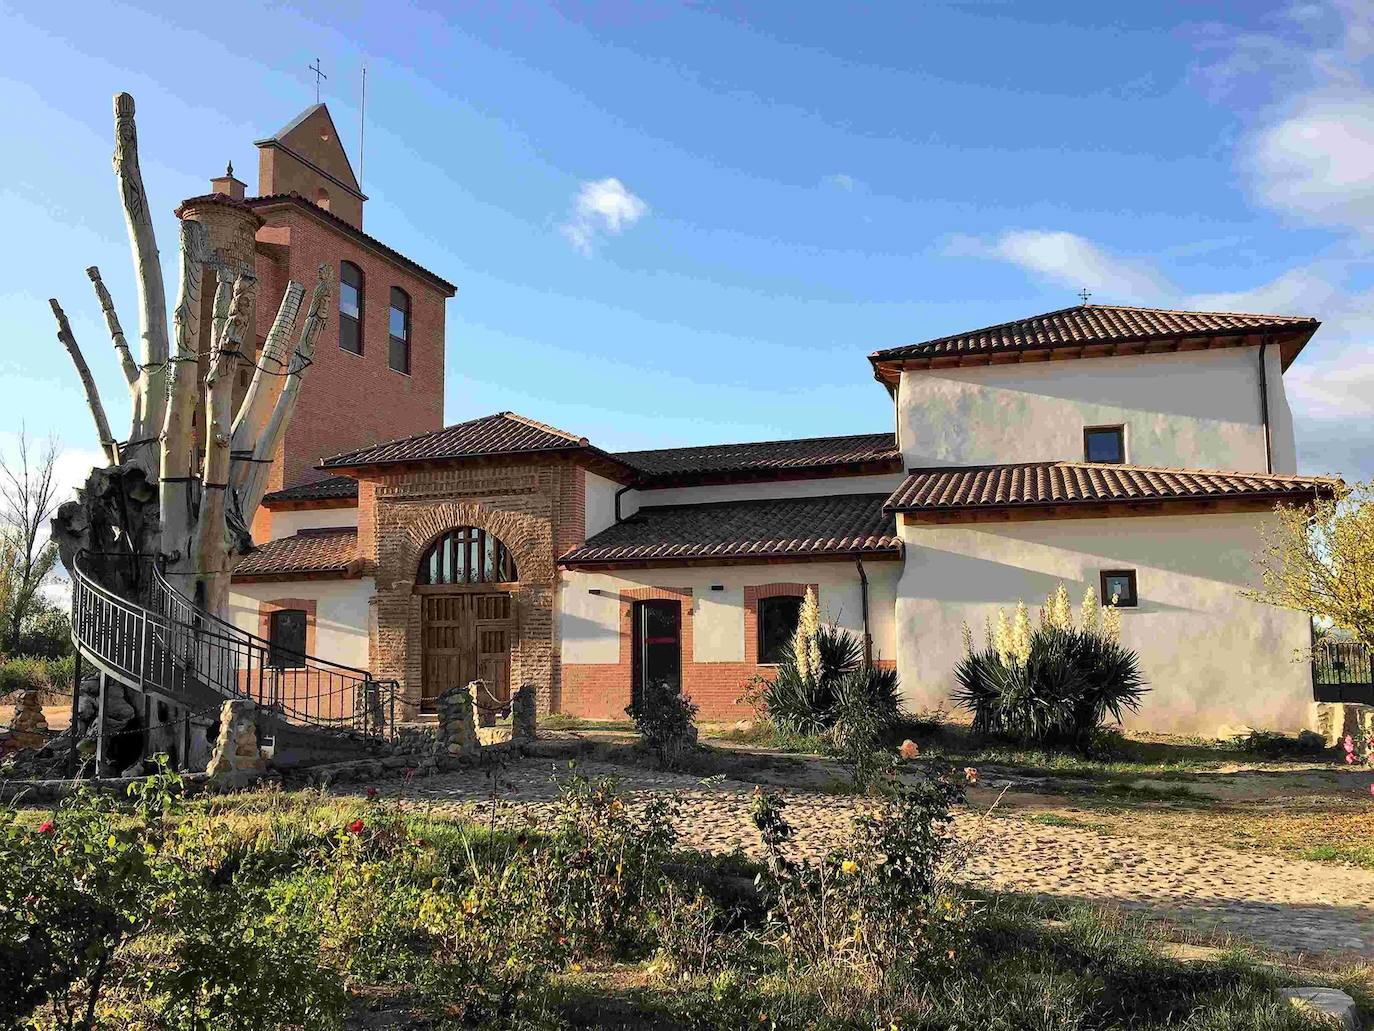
x,y
227,185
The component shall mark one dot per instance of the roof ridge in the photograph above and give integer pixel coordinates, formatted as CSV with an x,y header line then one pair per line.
x,y
758,501
1107,466
980,329
1175,311
546,427
757,443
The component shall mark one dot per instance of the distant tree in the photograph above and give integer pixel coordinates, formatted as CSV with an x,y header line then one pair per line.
x,y
1320,558
28,499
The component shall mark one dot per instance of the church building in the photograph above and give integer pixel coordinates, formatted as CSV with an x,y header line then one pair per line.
x,y
1137,451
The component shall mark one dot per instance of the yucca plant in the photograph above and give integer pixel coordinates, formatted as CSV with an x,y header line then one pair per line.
x,y
1056,683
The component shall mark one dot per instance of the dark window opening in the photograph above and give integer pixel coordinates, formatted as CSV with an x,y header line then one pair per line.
x,y
1104,444
467,555
657,649
777,624
1118,588
286,635
399,357
351,302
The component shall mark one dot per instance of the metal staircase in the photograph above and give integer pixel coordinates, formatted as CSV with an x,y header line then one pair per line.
x,y
175,654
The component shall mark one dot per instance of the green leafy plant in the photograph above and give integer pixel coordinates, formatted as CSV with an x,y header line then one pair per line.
x,y
1054,684
665,719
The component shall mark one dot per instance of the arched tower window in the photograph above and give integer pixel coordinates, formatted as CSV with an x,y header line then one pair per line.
x,y
399,322
466,555
351,307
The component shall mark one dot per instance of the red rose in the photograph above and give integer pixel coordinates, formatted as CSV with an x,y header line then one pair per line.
x,y
356,827
46,827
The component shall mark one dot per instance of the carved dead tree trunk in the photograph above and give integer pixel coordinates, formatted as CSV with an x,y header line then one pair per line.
x,y
162,498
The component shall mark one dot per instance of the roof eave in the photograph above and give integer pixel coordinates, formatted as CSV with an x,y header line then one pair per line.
x,y
1256,499
757,558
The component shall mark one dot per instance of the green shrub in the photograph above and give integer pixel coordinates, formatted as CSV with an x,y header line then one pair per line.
x,y
22,674
665,719
824,674
1054,684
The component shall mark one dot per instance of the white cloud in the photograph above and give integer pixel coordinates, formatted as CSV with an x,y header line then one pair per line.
x,y
602,207
1069,260
1318,162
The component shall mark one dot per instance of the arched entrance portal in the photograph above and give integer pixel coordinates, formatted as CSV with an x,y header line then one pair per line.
x,y
466,581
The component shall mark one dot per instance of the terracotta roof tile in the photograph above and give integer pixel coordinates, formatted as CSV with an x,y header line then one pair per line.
x,y
309,551
1068,483
770,456
504,433
1093,324
328,489
732,531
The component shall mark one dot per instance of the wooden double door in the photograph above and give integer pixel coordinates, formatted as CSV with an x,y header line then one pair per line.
x,y
465,636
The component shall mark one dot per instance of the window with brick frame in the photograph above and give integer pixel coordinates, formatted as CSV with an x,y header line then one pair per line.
x,y
777,623
399,324
286,634
351,303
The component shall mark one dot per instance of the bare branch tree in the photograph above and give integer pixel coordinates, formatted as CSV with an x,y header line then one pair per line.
x,y
164,498
28,499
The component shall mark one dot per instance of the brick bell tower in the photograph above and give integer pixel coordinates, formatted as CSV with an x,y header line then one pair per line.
x,y
378,371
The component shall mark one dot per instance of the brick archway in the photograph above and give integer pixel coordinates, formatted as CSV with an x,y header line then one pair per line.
x,y
527,540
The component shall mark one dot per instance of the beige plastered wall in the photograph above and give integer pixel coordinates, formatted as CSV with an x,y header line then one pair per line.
x,y
1215,660
341,613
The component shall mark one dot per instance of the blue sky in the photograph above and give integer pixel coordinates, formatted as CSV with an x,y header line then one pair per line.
x,y
676,224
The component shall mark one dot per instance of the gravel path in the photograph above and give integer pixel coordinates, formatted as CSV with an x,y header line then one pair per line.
x,y
1285,904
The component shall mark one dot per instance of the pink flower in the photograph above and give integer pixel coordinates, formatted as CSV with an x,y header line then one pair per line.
x,y
47,827
356,827
1371,789
1349,743
910,750
970,775
1349,758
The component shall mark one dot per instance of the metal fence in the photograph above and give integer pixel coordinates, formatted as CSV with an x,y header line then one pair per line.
x,y
1342,671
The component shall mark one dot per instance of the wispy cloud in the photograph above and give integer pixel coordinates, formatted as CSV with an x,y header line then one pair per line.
x,y
602,207
1066,259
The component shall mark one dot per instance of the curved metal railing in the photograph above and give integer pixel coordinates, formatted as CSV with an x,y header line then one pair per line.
x,y
172,648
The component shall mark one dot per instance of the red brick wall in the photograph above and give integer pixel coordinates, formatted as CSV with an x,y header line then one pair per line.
x,y
350,400
602,690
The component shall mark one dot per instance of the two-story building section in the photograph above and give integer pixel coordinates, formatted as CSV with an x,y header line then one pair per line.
x,y
1132,450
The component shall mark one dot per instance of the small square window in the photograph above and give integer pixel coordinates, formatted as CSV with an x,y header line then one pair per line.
x,y
777,624
1118,588
1104,444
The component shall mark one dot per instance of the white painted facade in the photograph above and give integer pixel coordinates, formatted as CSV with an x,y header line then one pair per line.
x,y
1213,658
288,522
589,624
1195,409
884,483
342,613
600,503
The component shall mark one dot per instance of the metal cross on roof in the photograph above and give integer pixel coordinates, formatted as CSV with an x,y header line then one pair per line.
x,y
318,76
1084,294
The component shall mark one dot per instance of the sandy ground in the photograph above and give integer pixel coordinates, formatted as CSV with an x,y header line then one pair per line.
x,y
1279,903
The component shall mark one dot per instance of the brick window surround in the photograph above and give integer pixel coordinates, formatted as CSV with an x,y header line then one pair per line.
x,y
308,605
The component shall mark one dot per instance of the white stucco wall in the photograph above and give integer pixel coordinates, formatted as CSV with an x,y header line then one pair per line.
x,y
287,523
1197,409
600,502
884,483
341,613
1212,657
589,624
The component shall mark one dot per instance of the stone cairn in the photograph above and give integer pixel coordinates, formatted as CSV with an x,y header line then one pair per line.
x,y
457,728
29,728
237,761
522,714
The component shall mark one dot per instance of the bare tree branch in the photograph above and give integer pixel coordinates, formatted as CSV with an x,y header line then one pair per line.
x,y
266,385
150,400
121,346
28,499
102,424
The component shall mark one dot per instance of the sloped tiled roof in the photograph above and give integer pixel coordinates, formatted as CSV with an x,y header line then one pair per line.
x,y
1097,324
504,433
331,488
272,199
770,456
734,531
309,551
1034,484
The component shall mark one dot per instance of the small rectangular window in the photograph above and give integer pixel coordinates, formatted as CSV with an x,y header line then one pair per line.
x,y
287,638
1118,588
1104,444
350,307
777,623
399,330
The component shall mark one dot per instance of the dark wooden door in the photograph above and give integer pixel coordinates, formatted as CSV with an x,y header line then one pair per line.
x,y
657,646
465,636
